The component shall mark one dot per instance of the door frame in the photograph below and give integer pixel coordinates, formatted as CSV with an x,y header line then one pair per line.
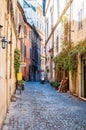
x,y
83,69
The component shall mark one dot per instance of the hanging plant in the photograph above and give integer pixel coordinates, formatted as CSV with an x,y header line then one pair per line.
x,y
17,56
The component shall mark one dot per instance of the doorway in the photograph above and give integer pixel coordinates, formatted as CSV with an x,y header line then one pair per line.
x,y
83,90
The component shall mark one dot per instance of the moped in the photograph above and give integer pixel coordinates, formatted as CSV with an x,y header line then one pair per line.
x,y
42,78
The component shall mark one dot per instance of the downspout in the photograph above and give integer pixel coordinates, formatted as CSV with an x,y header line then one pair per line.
x,y
52,52
7,92
53,73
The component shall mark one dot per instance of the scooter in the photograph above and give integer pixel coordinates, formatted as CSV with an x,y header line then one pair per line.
x,y
42,77
42,80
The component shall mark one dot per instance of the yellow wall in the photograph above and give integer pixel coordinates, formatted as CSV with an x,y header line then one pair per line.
x,y
7,76
76,36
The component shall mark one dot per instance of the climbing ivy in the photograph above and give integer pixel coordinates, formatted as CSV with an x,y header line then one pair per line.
x,y
72,60
61,60
68,57
17,55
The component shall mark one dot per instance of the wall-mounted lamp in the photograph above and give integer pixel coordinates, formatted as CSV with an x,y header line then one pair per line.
x,y
4,41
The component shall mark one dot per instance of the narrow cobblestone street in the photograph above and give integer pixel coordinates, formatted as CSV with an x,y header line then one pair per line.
x,y
40,107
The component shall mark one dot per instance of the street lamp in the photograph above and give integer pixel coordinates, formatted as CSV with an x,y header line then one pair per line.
x,y
4,41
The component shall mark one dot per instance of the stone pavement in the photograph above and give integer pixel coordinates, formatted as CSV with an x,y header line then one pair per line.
x,y
40,107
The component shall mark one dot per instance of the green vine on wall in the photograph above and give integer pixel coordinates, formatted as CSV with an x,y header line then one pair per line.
x,y
72,61
57,43
68,58
17,56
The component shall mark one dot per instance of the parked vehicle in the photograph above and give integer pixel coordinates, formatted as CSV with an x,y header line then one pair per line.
x,y
42,77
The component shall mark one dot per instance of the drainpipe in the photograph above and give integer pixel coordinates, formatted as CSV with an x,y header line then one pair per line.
x,y
6,20
70,25
52,73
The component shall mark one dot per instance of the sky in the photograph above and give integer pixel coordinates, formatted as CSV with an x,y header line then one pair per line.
x,y
39,1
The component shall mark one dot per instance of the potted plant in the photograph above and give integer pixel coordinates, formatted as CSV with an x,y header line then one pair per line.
x,y
54,84
22,83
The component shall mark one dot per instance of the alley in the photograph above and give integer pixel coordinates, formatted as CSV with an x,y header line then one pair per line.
x,y
40,107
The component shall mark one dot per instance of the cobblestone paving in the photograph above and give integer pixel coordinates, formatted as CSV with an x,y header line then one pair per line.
x,y
40,107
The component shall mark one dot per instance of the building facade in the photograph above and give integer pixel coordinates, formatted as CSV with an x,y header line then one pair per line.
x,y
15,32
78,36
54,11
24,43
65,43
35,55
40,26
7,73
34,15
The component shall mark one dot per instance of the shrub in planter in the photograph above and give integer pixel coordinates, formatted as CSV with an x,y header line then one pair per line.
x,y
54,84
22,83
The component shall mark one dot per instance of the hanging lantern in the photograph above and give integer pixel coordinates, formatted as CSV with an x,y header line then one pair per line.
x,y
4,41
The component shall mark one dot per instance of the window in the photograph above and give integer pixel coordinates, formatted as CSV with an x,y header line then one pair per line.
x,y
51,19
30,53
25,30
42,28
80,20
40,25
58,8
41,49
30,35
8,6
24,50
21,44
37,23
47,28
